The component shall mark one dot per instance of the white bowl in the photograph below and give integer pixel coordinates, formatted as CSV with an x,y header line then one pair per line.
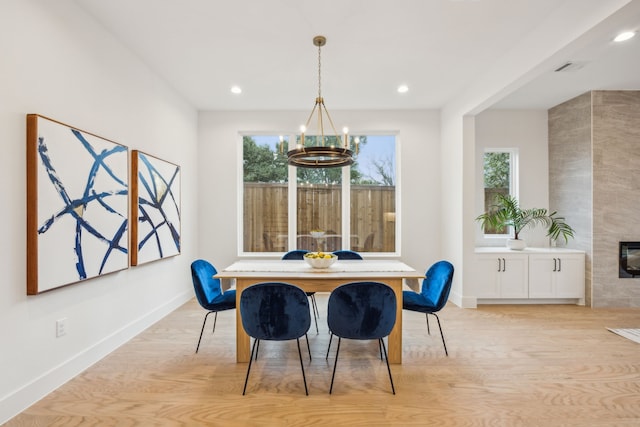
x,y
320,262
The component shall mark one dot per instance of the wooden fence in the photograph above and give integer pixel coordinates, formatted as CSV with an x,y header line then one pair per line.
x,y
319,208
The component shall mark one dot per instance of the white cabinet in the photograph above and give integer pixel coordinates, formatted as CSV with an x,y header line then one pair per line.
x,y
502,276
541,274
556,275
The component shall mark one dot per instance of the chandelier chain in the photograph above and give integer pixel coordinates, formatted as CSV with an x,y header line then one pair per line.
x,y
319,72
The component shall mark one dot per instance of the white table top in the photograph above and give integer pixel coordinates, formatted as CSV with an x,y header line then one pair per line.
x,y
339,269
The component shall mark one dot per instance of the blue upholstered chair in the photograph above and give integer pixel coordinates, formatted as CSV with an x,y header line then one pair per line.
x,y
275,311
209,292
434,294
299,255
295,254
344,254
362,311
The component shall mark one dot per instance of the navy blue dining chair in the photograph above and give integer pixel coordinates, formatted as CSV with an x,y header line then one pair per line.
x,y
433,295
209,292
298,254
274,311
346,254
362,311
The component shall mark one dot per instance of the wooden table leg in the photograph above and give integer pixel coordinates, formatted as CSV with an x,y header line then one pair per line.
x,y
395,337
243,342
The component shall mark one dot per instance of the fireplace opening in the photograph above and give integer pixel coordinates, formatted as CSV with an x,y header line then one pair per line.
x,y
629,259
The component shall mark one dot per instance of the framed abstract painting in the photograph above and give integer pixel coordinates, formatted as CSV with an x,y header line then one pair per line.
x,y
155,208
77,205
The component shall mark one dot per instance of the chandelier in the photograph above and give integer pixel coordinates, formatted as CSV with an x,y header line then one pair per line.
x,y
323,154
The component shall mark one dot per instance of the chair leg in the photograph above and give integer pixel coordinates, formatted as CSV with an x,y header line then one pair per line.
x,y
393,389
215,319
304,378
202,330
329,347
308,346
335,364
314,309
441,335
426,315
249,368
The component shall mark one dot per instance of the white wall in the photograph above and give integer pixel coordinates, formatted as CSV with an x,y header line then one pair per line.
x,y
56,61
525,130
419,166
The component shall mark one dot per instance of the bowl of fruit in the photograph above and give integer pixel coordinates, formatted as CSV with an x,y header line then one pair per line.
x,y
320,259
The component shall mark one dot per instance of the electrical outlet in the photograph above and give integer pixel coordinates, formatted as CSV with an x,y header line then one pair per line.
x,y
61,327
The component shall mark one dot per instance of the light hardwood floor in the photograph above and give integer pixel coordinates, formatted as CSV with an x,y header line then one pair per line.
x,y
516,365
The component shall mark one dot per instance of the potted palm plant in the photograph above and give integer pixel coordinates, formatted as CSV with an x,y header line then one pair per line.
x,y
506,212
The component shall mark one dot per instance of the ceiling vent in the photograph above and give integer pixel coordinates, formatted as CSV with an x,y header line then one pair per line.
x,y
570,66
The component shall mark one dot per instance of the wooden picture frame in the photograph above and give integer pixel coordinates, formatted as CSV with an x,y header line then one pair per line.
x,y
155,208
77,205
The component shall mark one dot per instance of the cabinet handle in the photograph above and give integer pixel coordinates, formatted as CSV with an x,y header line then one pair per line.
x,y
559,265
504,265
555,264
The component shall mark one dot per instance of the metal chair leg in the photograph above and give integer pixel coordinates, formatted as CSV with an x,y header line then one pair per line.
x,y
335,364
329,347
441,335
314,309
215,319
308,346
202,330
393,389
249,368
426,315
304,378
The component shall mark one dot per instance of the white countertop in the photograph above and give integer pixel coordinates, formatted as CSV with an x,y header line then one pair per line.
x,y
504,250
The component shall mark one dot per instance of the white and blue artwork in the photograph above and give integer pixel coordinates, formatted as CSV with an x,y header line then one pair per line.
x,y
155,219
77,205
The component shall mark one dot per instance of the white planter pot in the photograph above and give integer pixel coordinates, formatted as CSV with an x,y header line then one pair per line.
x,y
516,244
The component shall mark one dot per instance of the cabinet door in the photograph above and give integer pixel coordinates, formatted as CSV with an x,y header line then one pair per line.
x,y
542,272
570,277
487,282
514,276
556,276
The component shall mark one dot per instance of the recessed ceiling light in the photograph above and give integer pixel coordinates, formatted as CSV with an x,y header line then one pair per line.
x,y
236,89
403,89
624,36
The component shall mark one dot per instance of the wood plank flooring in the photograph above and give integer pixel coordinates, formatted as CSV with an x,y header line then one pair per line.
x,y
515,365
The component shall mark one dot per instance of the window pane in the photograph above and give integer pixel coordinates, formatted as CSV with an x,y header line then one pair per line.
x,y
265,194
373,195
319,207
497,180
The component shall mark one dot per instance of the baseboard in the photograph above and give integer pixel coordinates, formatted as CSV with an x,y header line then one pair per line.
x,y
16,402
462,301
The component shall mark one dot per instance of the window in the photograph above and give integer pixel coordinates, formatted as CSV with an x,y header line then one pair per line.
x,y
500,173
329,204
265,194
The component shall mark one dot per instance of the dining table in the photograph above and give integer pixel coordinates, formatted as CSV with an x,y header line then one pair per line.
x,y
297,272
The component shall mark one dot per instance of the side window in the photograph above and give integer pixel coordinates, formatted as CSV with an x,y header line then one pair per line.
x,y
500,177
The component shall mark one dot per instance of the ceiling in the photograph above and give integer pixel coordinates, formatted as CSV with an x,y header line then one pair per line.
x,y
436,47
